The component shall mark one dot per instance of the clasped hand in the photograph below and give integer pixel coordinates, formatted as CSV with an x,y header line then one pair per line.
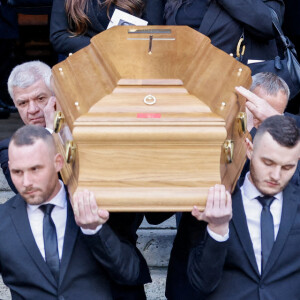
x,y
86,212
218,210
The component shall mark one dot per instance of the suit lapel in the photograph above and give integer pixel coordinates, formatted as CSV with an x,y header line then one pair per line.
x,y
21,222
289,211
71,233
240,224
210,18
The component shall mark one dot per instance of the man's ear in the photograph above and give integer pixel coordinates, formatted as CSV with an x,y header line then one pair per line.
x,y
249,147
256,123
58,162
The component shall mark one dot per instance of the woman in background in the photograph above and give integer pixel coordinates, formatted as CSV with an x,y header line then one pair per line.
x,y
225,21
75,22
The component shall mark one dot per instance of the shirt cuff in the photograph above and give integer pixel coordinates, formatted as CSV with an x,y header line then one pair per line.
x,y
90,231
218,237
50,130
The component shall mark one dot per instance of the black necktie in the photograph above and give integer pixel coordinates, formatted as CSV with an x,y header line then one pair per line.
x,y
50,241
267,229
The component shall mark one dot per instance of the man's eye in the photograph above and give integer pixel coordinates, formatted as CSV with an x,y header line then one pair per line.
x,y
16,172
22,103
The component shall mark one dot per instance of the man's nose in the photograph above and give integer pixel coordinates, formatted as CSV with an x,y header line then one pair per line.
x,y
26,179
33,107
276,173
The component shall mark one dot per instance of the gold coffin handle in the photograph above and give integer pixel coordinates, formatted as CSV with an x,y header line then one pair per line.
x,y
59,119
228,149
70,151
242,122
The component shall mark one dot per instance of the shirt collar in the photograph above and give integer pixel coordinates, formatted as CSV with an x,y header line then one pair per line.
x,y
251,192
59,200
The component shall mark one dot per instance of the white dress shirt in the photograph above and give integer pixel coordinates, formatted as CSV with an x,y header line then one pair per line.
x,y
253,210
59,217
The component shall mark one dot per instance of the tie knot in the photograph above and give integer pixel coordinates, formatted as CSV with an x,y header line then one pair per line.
x,y
265,201
47,208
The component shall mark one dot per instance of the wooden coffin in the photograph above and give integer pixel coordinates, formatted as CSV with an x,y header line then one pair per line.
x,y
153,114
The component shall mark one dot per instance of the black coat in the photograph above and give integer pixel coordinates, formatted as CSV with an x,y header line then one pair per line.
x,y
64,43
9,28
225,21
229,271
292,18
123,224
88,267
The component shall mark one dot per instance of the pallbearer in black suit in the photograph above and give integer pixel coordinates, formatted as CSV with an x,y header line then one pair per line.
x,y
255,255
29,87
47,249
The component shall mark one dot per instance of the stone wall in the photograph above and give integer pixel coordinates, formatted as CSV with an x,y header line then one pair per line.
x,y
155,243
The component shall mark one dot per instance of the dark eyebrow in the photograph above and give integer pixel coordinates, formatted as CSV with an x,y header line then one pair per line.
x,y
32,167
14,170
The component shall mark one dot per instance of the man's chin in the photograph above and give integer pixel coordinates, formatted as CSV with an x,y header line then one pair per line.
x,y
38,122
33,200
270,191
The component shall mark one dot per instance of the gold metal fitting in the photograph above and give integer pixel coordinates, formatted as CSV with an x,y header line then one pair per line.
x,y
228,150
70,151
59,119
242,122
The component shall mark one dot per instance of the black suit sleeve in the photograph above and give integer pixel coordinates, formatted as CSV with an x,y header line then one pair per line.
x,y
117,254
4,163
255,15
206,262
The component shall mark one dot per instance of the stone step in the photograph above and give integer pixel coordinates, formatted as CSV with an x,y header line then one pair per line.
x,y
156,245
156,289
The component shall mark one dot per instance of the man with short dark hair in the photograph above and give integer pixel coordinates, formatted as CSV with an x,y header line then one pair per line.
x,y
44,254
29,87
268,96
254,255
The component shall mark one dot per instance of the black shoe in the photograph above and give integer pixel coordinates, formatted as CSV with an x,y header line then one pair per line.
x,y
10,108
4,113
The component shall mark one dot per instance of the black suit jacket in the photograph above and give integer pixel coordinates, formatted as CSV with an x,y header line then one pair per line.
x,y
89,264
228,270
123,224
225,21
64,43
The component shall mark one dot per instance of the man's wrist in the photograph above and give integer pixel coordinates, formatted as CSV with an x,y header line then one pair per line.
x,y
50,130
91,231
218,234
